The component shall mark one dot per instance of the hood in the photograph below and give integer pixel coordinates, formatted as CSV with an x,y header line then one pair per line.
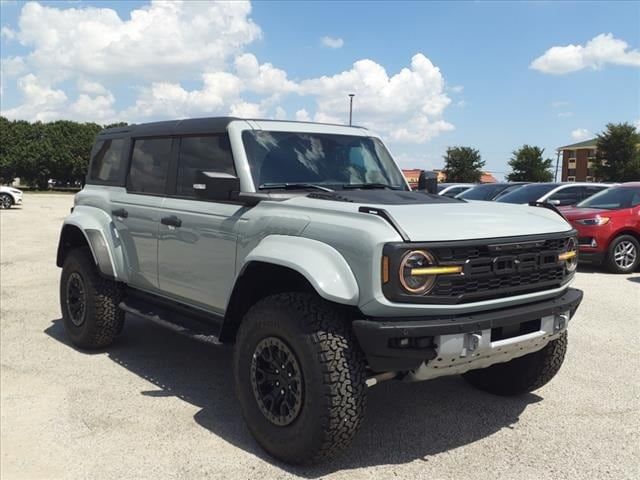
x,y
437,220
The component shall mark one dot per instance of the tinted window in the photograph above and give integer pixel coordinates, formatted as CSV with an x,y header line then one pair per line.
x,y
482,192
106,161
210,154
613,198
509,189
567,196
149,165
528,193
588,191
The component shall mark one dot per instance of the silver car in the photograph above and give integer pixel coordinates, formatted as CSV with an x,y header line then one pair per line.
x,y
303,246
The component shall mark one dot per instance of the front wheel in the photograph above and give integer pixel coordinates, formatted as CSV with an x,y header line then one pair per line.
x,y
521,375
623,254
5,201
300,377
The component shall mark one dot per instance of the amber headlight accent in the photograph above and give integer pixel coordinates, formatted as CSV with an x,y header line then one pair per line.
x,y
569,254
413,278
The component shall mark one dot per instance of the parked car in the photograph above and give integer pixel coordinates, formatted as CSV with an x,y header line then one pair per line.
x,y
9,197
554,193
452,189
608,226
489,191
303,246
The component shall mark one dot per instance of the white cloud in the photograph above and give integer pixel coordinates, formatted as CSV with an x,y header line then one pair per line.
x,y
162,39
637,124
332,42
457,88
80,58
580,134
8,33
303,116
595,54
41,101
565,114
559,103
407,106
12,66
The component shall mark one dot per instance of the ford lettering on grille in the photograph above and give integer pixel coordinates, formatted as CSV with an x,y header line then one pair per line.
x,y
508,264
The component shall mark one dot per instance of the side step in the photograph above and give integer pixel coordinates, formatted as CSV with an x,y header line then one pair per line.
x,y
184,324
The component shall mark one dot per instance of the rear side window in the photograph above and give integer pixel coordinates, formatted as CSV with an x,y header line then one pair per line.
x,y
208,153
149,165
106,162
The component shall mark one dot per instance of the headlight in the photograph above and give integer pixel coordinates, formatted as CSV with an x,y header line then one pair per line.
x,y
569,254
418,271
597,221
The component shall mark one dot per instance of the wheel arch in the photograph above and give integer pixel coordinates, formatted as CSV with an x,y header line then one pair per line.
x,y
84,228
281,263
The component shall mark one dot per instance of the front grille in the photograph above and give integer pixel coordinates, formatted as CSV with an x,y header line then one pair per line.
x,y
491,269
483,286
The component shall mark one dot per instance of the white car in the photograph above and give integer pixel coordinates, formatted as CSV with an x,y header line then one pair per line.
x,y
559,194
9,197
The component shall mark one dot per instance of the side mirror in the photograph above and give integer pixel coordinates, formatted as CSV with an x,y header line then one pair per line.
x,y
428,181
554,202
215,185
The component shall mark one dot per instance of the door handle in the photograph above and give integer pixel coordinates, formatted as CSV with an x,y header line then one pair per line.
x,y
171,221
120,213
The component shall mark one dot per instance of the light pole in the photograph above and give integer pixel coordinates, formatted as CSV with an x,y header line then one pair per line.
x,y
555,177
351,95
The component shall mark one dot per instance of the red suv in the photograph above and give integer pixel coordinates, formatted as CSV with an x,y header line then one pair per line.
x,y
608,225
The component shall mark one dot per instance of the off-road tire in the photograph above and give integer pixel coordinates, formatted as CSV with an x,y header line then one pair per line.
x,y
521,375
103,319
610,262
333,372
6,201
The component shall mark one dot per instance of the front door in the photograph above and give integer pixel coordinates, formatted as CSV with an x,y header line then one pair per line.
x,y
197,238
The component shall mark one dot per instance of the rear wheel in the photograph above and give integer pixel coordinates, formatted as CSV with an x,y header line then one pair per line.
x,y
521,375
89,302
6,201
623,254
300,377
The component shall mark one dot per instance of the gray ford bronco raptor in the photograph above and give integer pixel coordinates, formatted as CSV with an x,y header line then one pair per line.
x,y
303,246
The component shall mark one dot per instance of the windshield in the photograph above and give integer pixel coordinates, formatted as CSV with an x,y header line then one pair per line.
x,y
528,193
613,199
482,192
333,161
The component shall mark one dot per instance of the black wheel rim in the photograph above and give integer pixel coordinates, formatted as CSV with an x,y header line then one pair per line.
x,y
5,201
276,379
76,299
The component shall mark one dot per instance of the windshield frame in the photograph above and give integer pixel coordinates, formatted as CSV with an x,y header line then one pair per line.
x,y
244,167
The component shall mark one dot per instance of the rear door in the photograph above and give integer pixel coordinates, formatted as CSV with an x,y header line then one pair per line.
x,y
137,211
197,249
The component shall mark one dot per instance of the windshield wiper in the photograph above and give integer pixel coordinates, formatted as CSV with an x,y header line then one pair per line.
x,y
368,186
292,186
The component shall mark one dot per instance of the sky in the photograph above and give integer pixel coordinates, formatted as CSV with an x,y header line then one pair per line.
x,y
426,75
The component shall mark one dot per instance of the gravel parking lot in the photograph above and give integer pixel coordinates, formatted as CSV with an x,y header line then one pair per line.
x,y
159,405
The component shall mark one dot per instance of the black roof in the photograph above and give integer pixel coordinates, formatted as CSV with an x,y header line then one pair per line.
x,y
175,127
186,126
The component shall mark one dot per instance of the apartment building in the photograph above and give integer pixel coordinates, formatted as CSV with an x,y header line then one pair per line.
x,y
578,161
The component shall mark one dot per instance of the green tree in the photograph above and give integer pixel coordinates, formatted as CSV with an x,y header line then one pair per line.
x,y
463,164
527,165
618,155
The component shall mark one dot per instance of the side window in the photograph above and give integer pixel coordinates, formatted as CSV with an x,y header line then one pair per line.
x,y
635,200
208,153
567,196
106,161
588,191
149,165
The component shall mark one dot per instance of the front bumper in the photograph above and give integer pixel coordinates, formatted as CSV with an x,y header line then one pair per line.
x,y
409,344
